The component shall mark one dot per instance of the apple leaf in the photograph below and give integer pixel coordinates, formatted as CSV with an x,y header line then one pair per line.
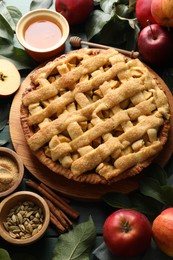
x,y
6,31
14,16
113,23
118,200
150,187
11,14
145,205
20,58
157,172
96,23
168,78
132,5
154,193
3,142
6,47
37,4
108,6
5,135
8,19
77,243
135,200
4,112
4,254
167,194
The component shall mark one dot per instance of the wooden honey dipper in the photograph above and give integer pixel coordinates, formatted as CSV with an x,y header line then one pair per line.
x,y
76,41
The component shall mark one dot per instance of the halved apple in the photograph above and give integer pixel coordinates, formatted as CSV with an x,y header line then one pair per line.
x,y
9,78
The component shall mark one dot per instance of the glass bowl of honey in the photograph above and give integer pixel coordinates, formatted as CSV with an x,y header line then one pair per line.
x,y
42,33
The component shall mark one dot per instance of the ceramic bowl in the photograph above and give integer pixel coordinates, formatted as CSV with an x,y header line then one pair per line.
x,y
41,54
11,171
26,230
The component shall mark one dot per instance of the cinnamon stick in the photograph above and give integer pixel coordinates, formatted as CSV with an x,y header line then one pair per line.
x,y
65,207
66,218
56,196
58,225
63,219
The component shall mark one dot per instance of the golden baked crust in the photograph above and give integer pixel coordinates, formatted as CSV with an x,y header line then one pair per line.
x,y
95,116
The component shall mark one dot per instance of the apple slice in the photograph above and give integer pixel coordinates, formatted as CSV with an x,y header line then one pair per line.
x,y
9,78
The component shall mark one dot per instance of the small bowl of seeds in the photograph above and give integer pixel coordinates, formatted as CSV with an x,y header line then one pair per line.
x,y
24,218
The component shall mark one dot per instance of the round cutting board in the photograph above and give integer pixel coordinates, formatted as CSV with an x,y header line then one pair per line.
x,y
70,188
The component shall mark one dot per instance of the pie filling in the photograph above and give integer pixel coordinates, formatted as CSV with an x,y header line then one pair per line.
x,y
95,111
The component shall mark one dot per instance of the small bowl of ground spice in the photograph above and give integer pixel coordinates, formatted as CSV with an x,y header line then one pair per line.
x,y
24,217
11,171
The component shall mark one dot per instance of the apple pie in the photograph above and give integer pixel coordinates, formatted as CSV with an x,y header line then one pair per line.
x,y
95,116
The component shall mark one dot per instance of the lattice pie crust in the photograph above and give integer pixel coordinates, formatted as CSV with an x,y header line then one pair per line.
x,y
95,116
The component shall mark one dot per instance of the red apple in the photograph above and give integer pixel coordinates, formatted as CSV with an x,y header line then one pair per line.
x,y
127,233
143,12
155,44
162,11
75,11
163,231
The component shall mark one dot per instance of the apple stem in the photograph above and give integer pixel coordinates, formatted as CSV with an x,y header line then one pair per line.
x,y
154,36
125,226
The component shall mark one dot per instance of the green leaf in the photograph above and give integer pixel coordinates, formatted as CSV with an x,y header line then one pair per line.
x,y
121,8
117,200
132,5
6,31
4,254
4,112
96,22
167,194
2,143
77,243
15,15
108,5
168,78
21,59
114,24
150,187
6,47
11,14
5,136
134,200
122,11
38,4
157,172
145,205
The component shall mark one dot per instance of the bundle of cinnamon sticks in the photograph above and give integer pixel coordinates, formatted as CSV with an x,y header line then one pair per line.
x,y
60,210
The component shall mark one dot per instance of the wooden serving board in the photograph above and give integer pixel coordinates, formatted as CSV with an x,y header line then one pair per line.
x,y
70,188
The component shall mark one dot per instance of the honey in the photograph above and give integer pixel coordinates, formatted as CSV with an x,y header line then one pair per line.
x,y
42,34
